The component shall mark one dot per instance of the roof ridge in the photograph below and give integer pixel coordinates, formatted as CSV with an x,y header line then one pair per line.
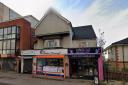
x,y
83,26
122,41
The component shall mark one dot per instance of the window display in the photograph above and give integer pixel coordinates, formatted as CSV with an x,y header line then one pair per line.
x,y
50,66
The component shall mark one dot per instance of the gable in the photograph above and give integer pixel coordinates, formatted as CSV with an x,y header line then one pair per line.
x,y
52,24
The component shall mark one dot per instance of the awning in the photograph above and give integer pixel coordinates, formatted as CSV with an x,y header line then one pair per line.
x,y
49,56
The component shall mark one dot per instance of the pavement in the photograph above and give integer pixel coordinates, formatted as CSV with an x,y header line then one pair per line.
x,y
113,82
12,78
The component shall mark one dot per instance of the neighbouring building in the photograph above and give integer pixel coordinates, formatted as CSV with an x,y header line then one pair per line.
x,y
15,35
62,50
32,20
118,55
7,14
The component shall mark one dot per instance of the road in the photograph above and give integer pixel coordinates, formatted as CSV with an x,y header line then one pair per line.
x,y
11,78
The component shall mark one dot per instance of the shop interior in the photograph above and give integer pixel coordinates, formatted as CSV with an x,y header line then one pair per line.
x,y
50,66
83,67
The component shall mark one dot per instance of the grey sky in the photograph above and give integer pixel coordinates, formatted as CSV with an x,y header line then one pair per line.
x,y
108,15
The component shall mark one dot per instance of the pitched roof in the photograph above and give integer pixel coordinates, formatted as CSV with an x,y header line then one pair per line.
x,y
51,10
83,32
124,41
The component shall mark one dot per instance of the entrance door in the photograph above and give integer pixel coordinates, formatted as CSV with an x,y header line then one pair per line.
x,y
27,66
85,68
73,68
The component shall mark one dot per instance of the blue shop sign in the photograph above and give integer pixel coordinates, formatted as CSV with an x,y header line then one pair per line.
x,y
84,51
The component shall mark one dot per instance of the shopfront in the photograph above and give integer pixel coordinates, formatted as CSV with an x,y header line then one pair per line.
x,y
26,60
8,63
85,63
50,64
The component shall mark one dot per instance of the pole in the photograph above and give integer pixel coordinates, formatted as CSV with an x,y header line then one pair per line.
x,y
123,63
107,70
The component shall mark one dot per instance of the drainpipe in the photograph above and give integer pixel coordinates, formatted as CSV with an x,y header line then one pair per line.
x,y
123,64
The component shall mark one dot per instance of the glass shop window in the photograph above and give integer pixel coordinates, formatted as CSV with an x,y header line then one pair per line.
x,y
54,62
50,62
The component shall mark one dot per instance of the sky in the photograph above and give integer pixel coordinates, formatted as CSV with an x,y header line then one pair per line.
x,y
110,16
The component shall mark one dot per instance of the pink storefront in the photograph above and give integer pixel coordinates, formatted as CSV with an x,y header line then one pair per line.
x,y
86,63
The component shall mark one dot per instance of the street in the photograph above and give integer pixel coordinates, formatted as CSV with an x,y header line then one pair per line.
x,y
11,78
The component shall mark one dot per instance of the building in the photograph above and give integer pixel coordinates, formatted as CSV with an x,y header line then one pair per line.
x,y
7,13
15,35
32,20
117,54
54,28
65,51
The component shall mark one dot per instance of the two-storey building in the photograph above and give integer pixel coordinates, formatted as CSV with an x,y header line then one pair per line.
x,y
64,50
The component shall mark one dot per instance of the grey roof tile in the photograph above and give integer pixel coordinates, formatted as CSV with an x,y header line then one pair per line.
x,y
83,32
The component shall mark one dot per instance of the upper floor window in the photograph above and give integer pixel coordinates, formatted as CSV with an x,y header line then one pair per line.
x,y
83,44
14,29
5,31
52,43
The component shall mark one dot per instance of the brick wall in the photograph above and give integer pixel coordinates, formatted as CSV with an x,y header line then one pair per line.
x,y
25,42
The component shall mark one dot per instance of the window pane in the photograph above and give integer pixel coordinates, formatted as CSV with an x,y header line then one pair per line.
x,y
5,31
4,51
1,31
0,44
1,37
13,36
12,51
6,36
12,44
14,29
0,51
9,30
4,44
9,36
8,44
8,52
18,30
